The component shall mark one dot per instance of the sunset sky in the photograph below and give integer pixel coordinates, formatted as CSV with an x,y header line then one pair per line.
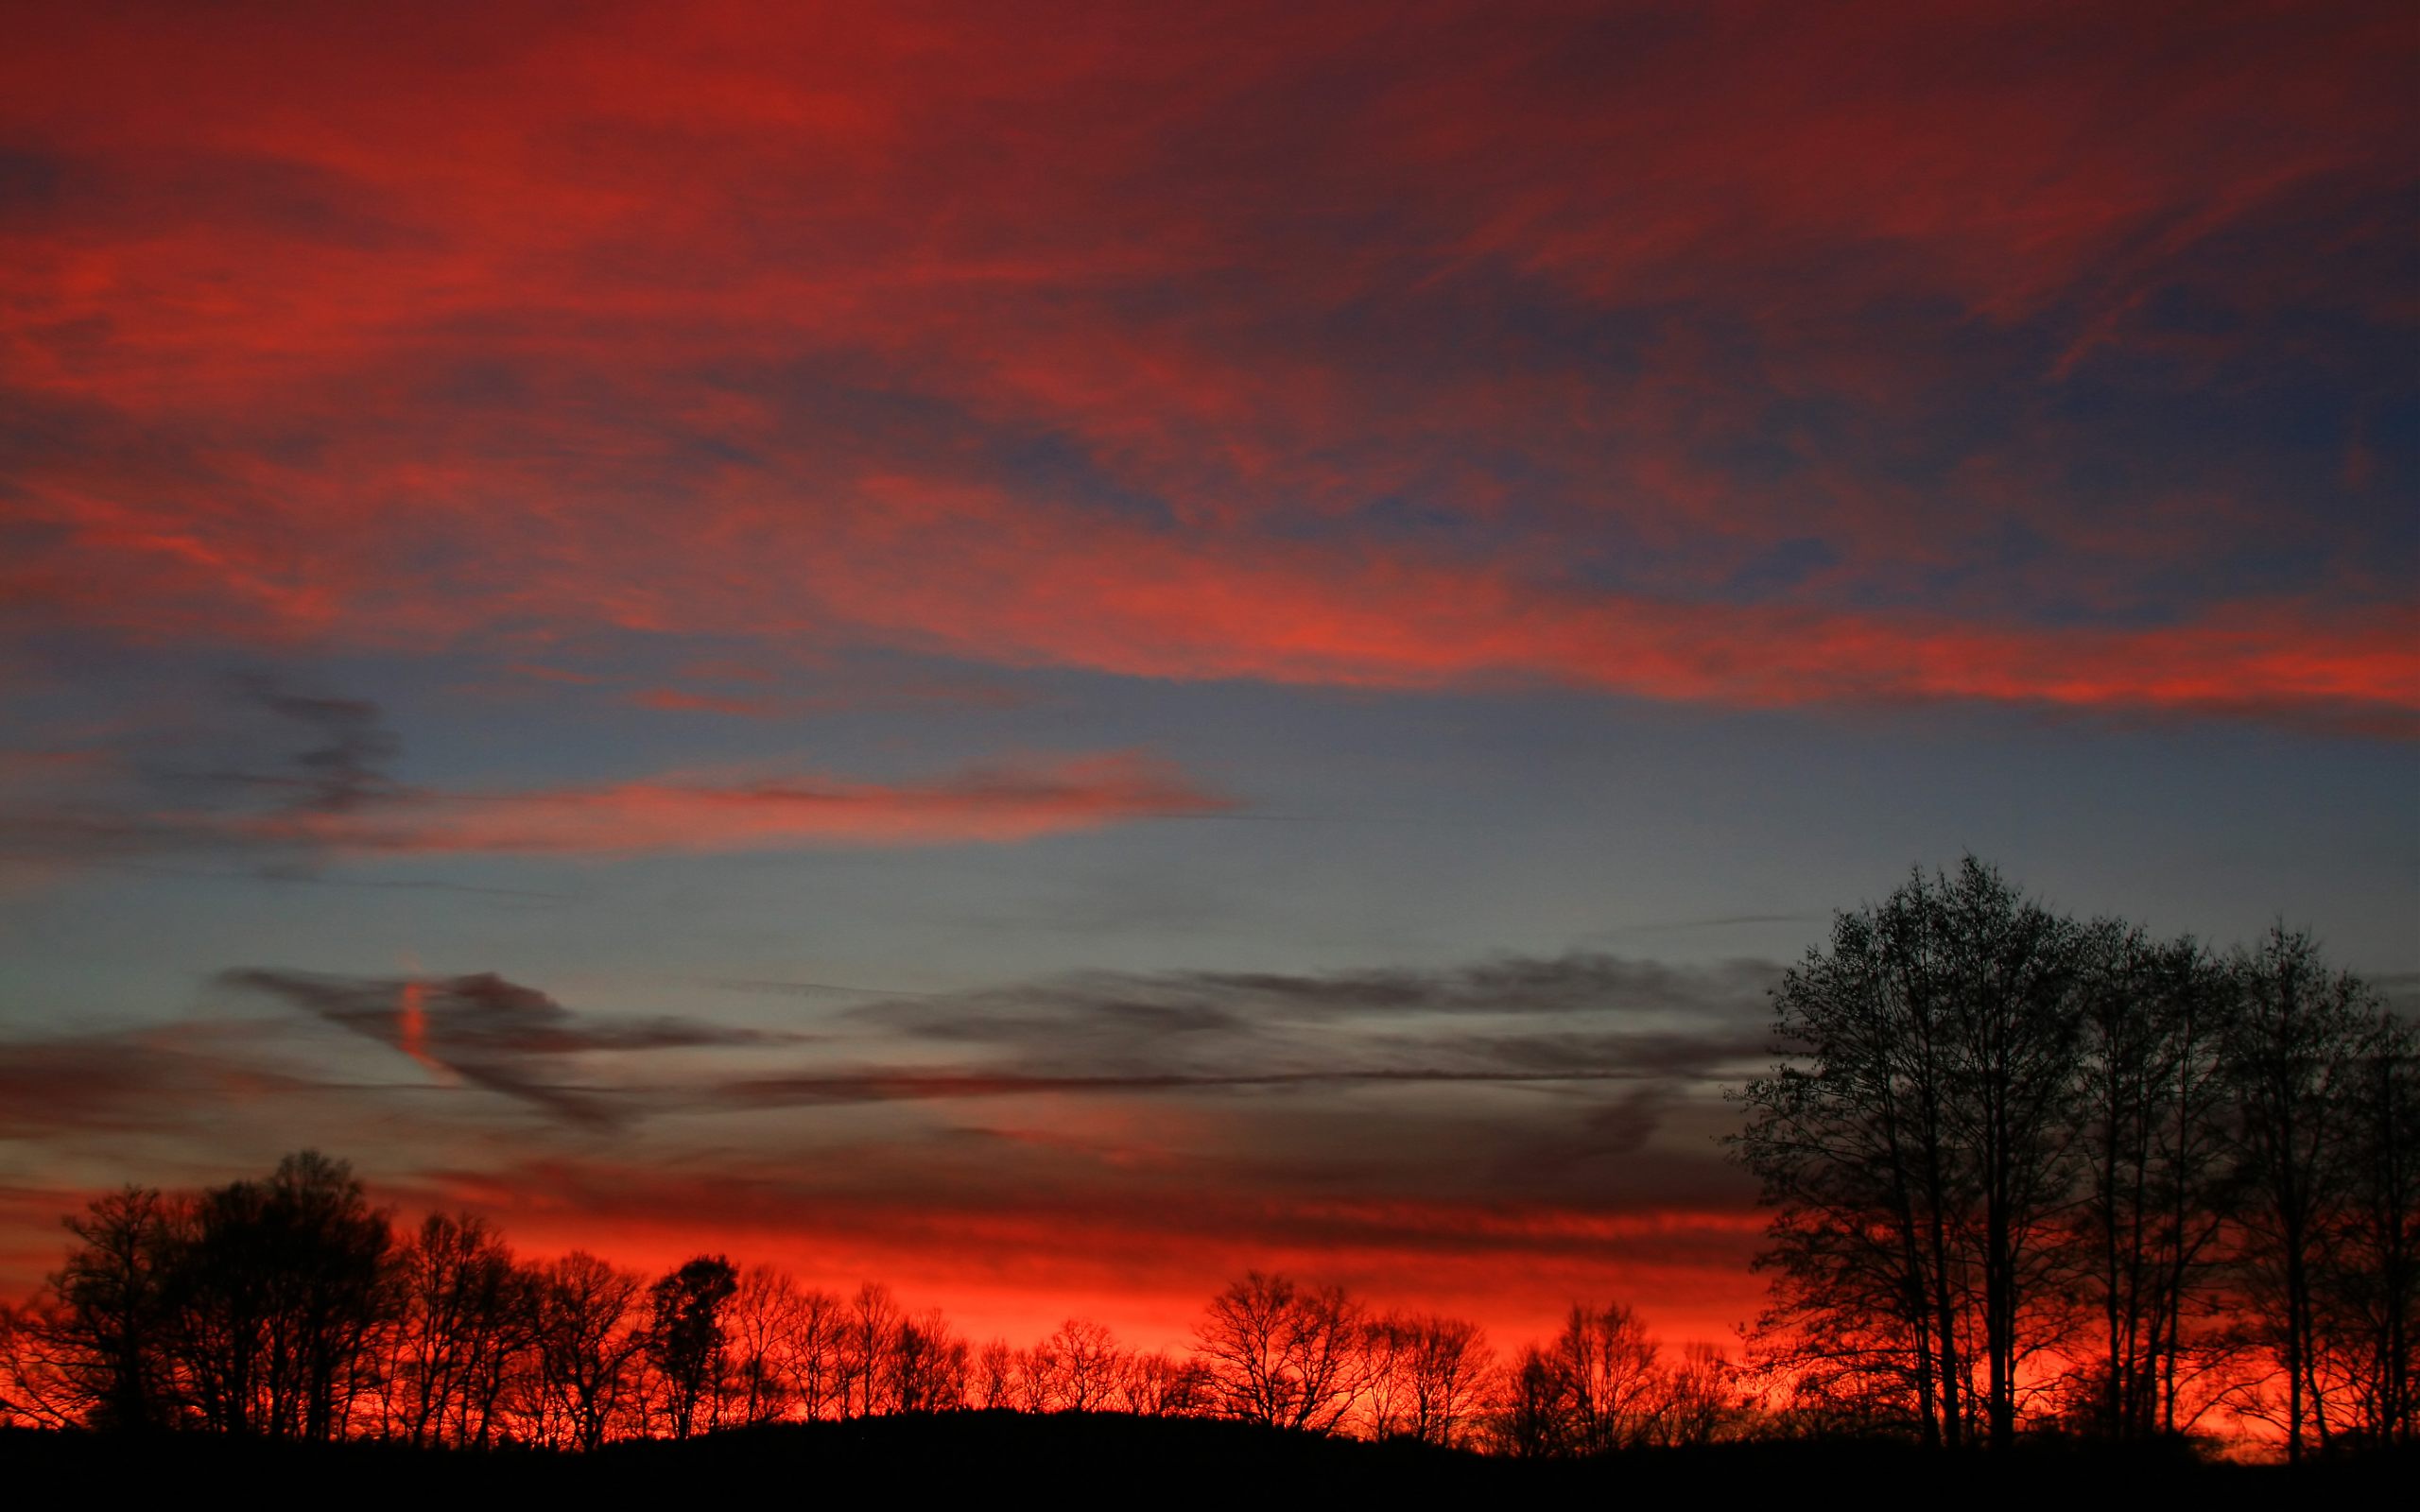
x,y
1043,651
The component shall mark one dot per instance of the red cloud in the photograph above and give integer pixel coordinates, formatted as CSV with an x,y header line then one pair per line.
x,y
982,807
776,322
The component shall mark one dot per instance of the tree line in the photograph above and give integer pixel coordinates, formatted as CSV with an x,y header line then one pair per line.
x,y
2029,1171
290,1308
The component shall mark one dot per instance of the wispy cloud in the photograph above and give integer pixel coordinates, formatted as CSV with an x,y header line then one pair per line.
x,y
331,795
490,1032
984,805
1709,358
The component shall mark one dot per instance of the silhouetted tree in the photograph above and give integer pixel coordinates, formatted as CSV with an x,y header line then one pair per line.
x,y
591,1343
467,1313
2291,1062
1696,1400
108,1334
2372,1288
1160,1385
1279,1352
1429,1376
868,1333
1531,1422
1075,1369
994,1380
1915,1145
276,1290
766,1319
927,1365
2153,1125
687,1339
1603,1387
814,1358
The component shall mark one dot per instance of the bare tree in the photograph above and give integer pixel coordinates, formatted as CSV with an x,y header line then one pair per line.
x,y
1158,1385
1279,1352
1605,1369
591,1343
927,1370
814,1361
1915,1144
2289,1062
2153,1121
1697,1400
870,1332
1428,1378
2372,1288
994,1382
463,1315
1079,1367
106,1334
764,1321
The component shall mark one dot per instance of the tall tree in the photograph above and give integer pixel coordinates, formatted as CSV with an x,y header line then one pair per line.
x,y
591,1342
687,1340
1914,1143
108,1331
2288,1061
2373,1281
2152,1124
465,1311
275,1292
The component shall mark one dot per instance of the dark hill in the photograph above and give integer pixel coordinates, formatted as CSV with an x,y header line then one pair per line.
x,y
1103,1457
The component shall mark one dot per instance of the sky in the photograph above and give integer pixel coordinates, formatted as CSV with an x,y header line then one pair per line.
x,y
1044,652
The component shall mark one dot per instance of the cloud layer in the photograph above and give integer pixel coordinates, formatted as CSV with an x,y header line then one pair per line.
x,y
333,797
1411,1128
1904,353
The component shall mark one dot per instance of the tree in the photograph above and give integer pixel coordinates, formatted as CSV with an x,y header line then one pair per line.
x,y
1914,1143
2290,1063
2153,1115
868,1334
2372,1287
108,1335
1157,1384
1282,1353
275,1289
1605,1375
466,1314
1075,1369
687,1339
590,1343
1429,1376
927,1365
766,1317
813,1360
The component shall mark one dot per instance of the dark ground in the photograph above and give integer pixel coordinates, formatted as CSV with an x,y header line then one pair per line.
x,y
1114,1459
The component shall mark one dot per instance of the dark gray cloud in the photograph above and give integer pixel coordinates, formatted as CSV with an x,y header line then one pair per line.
x,y
1591,1053
871,1086
490,1032
1606,1047
1575,983
1579,1017
215,784
341,769
127,1082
